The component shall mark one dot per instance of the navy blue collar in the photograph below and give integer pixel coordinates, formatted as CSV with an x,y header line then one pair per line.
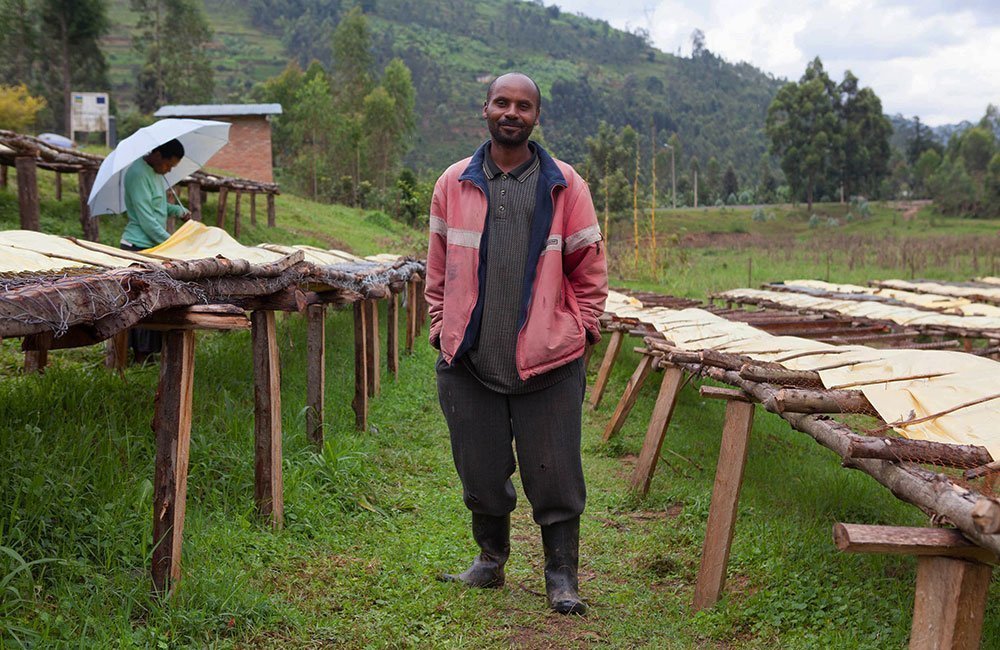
x,y
551,175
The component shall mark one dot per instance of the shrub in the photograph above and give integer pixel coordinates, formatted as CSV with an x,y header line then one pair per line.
x,y
18,108
758,215
814,220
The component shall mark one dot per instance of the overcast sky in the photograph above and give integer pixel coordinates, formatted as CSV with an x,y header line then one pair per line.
x,y
939,59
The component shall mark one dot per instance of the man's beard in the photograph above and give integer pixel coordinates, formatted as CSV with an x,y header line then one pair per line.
x,y
507,140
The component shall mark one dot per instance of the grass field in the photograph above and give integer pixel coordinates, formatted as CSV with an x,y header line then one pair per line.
x,y
376,515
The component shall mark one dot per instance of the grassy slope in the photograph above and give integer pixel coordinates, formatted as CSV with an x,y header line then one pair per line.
x,y
376,515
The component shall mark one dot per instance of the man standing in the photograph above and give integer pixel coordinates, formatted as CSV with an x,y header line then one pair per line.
x,y
516,280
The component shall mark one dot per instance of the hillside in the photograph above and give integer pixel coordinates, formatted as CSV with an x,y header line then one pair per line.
x,y
588,72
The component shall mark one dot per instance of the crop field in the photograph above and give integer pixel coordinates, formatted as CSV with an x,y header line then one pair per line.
x,y
374,516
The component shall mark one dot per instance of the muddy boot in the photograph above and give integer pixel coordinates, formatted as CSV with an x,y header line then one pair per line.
x,y
562,554
493,536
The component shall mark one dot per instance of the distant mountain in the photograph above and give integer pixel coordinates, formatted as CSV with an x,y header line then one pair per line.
x,y
588,72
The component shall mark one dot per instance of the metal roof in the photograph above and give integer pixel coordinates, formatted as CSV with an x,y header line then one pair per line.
x,y
217,110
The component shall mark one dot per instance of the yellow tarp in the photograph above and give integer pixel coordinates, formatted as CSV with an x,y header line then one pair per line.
x,y
942,289
194,241
16,260
930,301
62,250
961,378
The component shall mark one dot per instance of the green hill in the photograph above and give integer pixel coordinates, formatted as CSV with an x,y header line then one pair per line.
x,y
588,72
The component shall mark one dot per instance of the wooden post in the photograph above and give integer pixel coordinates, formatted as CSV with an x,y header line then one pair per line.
x,y
35,360
411,315
116,351
360,401
89,223
372,348
270,210
629,397
607,363
267,418
194,199
3,177
237,227
27,191
172,427
253,208
392,335
316,372
662,411
220,218
58,186
725,502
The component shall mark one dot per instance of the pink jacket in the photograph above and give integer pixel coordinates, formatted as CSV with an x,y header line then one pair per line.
x,y
566,274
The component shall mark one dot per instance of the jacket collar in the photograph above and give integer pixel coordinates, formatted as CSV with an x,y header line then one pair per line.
x,y
551,175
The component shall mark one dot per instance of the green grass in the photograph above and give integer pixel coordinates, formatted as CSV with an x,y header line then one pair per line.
x,y
376,515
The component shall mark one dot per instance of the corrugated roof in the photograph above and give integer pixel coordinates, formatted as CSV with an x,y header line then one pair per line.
x,y
217,110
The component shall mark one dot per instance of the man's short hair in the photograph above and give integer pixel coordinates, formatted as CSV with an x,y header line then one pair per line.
x,y
171,149
538,92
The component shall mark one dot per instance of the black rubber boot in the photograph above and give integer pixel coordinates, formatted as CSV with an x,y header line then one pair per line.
x,y
493,536
562,555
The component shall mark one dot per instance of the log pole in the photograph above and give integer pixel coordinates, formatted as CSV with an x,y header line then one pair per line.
x,y
27,191
918,451
392,335
950,604
267,419
237,226
253,208
607,364
372,348
411,315
360,401
116,351
725,502
270,210
316,372
37,358
194,200
220,217
88,222
3,176
629,397
906,540
58,186
662,412
172,428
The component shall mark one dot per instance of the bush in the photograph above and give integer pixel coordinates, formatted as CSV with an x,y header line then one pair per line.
x,y
758,215
746,197
814,221
18,108
832,222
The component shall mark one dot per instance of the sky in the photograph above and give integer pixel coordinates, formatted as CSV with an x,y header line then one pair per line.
x,y
936,59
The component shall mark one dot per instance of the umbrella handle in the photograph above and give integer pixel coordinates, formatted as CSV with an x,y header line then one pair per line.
x,y
177,198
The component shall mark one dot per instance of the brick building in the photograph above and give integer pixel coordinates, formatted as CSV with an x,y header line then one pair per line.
x,y
248,154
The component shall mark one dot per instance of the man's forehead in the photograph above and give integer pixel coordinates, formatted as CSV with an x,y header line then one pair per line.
x,y
514,84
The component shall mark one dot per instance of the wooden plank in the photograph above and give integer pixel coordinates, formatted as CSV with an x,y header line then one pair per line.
x,y
270,210
237,226
607,364
949,605
713,392
725,502
629,396
267,419
360,401
907,540
372,348
172,428
662,411
392,335
116,351
220,217
88,222
194,200
27,191
315,372
206,317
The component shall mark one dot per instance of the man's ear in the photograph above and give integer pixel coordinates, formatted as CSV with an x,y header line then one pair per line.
x,y
485,104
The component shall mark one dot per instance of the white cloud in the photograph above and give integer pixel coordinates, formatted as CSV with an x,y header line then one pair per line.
x,y
939,59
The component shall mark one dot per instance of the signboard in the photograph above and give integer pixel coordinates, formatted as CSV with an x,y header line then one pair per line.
x,y
89,111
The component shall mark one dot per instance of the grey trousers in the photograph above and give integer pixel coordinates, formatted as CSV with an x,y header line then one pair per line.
x,y
543,425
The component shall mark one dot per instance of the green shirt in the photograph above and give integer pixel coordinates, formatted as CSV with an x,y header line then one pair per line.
x,y
146,203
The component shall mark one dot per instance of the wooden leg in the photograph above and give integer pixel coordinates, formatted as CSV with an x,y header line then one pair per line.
x,y
950,603
372,348
116,351
360,402
392,336
607,363
316,372
58,186
629,397
267,418
662,411
220,217
253,208
27,191
237,226
172,427
411,315
725,500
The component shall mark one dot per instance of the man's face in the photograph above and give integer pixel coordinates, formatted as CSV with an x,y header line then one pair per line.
x,y
511,112
162,165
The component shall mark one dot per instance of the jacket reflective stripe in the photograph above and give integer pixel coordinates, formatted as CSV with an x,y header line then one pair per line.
x,y
467,238
581,238
554,243
438,226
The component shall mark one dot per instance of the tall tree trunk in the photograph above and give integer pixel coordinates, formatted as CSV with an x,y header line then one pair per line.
x,y
67,99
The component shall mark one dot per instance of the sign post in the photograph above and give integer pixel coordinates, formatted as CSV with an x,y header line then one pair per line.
x,y
89,112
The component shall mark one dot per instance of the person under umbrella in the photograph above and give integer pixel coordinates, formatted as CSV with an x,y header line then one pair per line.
x,y
147,208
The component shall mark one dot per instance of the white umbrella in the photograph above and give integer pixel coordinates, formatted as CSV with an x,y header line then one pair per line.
x,y
201,139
